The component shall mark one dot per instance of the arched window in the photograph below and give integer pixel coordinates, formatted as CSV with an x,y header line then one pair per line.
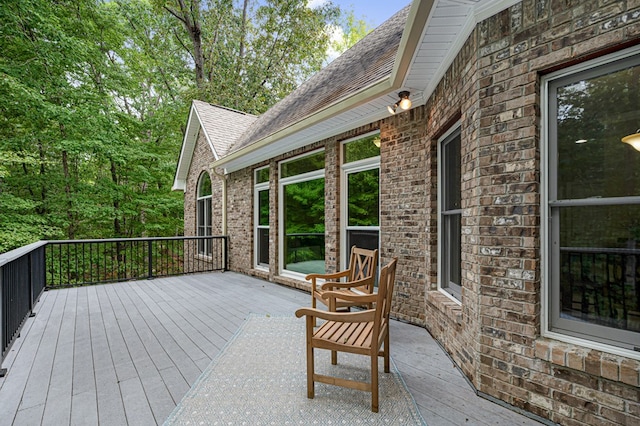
x,y
203,214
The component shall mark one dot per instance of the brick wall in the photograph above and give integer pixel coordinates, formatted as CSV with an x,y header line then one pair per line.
x,y
404,197
492,88
202,158
240,220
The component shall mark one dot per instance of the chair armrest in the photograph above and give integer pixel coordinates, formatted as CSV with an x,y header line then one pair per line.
x,y
334,276
348,284
364,298
362,316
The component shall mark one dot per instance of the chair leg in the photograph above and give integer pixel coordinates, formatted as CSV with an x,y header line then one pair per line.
x,y
313,305
386,354
310,359
334,357
374,383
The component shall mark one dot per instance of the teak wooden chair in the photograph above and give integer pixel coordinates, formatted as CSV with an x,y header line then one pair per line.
x,y
365,333
360,279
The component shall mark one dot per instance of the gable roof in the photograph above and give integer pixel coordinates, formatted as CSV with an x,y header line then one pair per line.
x,y
411,51
220,126
366,63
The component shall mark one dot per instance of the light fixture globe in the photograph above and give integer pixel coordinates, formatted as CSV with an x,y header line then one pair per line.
x,y
633,140
405,102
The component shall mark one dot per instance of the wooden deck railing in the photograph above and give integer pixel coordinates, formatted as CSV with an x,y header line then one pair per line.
x,y
27,271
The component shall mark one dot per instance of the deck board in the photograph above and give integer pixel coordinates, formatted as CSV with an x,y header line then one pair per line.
x,y
127,353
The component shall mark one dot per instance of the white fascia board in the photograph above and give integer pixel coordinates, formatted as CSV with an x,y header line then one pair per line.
x,y
417,21
194,124
265,148
186,153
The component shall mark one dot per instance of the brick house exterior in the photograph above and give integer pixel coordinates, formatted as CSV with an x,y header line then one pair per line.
x,y
493,88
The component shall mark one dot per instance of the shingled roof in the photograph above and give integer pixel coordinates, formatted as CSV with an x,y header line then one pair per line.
x,y
366,63
409,52
220,126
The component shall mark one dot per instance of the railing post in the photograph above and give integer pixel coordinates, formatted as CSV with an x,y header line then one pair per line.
x,y
3,371
150,259
226,253
31,303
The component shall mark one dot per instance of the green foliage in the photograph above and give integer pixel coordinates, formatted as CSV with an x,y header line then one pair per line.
x,y
351,31
90,121
94,95
251,53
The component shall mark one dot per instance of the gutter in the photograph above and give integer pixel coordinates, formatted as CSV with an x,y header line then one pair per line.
x,y
416,23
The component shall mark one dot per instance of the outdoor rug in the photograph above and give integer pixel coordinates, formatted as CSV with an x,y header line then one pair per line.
x,y
259,378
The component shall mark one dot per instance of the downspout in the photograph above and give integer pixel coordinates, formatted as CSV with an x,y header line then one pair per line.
x,y
224,215
224,199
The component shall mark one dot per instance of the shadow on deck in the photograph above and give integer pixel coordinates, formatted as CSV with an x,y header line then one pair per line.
x,y
126,353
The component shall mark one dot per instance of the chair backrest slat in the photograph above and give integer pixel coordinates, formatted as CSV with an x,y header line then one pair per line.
x,y
363,264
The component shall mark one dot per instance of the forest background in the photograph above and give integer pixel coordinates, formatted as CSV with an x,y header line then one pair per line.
x,y
94,97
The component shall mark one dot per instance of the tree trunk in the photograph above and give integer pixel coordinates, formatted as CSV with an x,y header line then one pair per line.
x,y
190,18
117,228
67,190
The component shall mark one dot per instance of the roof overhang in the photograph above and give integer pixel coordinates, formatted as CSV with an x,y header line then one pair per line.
x,y
194,124
434,33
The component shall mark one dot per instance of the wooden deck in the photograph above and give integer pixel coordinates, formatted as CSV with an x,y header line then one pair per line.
x,y
126,353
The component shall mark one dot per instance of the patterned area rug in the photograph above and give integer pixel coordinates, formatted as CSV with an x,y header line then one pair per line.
x,y
259,378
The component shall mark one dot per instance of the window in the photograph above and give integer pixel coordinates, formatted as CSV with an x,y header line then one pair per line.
x,y
301,200
450,224
592,201
203,214
361,201
261,218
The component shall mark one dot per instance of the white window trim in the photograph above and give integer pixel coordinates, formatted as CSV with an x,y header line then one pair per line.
x,y
346,169
282,182
454,128
545,217
257,188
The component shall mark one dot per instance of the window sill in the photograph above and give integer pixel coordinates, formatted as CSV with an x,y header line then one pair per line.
x,y
444,304
615,367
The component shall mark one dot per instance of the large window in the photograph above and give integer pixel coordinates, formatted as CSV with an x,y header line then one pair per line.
x,y
261,218
450,224
361,201
203,214
301,201
592,201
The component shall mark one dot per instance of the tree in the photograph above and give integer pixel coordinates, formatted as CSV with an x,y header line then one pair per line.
x,y
249,57
349,31
91,103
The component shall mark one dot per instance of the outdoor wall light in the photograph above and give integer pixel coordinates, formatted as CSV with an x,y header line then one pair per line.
x,y
633,140
403,103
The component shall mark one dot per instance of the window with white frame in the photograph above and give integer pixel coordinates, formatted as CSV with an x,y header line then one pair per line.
x,y
261,218
591,204
360,194
203,214
301,200
450,223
